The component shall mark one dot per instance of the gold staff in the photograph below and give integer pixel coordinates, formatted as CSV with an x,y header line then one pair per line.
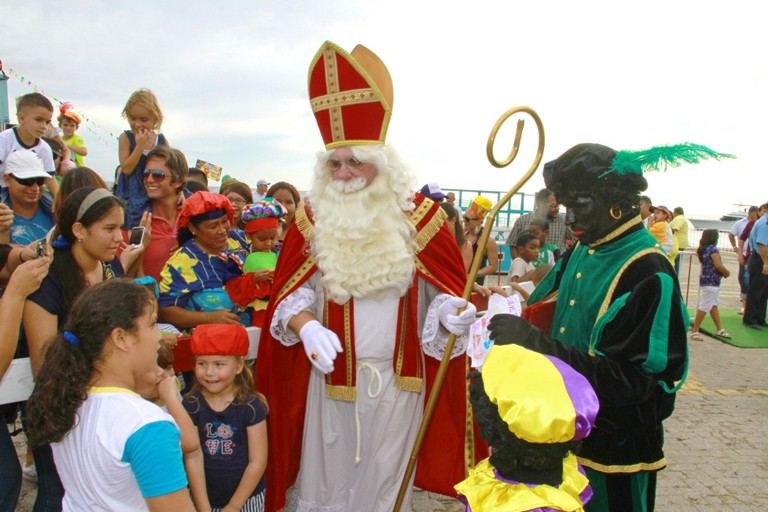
x,y
481,245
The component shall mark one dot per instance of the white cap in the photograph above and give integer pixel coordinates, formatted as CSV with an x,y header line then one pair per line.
x,y
262,182
25,164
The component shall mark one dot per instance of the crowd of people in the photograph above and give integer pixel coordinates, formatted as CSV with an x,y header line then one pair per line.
x,y
356,289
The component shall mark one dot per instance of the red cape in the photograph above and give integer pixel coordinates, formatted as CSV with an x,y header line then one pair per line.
x,y
282,373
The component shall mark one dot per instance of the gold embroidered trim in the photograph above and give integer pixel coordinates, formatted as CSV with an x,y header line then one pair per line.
x,y
295,278
344,98
618,231
332,86
631,468
421,268
411,384
470,457
615,282
303,223
420,212
344,393
401,344
432,227
348,341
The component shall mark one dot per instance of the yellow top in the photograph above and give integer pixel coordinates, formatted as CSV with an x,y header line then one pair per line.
x,y
486,493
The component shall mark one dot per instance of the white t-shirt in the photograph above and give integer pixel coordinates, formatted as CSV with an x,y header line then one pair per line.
x,y
122,450
736,230
9,142
519,268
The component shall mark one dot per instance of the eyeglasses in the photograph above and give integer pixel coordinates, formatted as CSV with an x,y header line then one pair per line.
x,y
335,165
470,219
28,182
157,174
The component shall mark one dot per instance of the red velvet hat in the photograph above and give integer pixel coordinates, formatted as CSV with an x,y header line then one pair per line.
x,y
219,340
351,96
203,202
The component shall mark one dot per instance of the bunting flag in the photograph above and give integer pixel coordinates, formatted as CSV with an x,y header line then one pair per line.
x,y
90,124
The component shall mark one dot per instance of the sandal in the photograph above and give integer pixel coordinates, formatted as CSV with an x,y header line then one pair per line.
x,y
723,333
696,336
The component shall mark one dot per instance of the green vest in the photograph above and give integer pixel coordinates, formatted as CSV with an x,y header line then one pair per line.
x,y
588,282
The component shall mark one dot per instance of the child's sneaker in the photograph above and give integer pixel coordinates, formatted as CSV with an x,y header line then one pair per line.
x,y
696,336
723,333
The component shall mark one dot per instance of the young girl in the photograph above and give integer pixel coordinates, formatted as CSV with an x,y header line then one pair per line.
x,y
114,450
253,288
145,118
712,272
288,196
69,122
161,387
229,417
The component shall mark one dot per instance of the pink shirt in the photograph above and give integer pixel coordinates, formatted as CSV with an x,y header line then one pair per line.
x,y
160,247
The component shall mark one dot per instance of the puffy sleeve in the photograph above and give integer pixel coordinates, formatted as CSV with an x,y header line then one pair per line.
x,y
178,280
638,345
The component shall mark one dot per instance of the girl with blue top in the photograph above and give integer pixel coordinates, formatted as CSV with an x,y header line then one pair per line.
x,y
712,272
145,118
114,450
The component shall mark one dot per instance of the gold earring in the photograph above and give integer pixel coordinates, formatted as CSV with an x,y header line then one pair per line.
x,y
615,216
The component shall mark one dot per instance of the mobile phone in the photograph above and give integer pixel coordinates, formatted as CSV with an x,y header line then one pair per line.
x,y
137,236
40,249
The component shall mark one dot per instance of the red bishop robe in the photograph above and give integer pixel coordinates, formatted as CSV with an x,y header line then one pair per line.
x,y
282,373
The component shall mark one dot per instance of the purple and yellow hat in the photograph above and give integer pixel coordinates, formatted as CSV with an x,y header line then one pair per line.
x,y
540,398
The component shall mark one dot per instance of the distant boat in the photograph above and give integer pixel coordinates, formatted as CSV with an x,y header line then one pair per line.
x,y
733,216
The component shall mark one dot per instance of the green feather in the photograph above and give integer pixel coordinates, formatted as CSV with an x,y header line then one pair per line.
x,y
660,157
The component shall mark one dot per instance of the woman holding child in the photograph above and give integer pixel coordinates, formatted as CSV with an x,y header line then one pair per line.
x,y
192,280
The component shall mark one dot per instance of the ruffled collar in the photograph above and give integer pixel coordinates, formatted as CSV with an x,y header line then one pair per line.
x,y
486,492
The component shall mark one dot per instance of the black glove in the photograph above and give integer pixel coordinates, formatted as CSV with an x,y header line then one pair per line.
x,y
506,329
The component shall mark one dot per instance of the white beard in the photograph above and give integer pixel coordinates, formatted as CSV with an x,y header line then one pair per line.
x,y
363,242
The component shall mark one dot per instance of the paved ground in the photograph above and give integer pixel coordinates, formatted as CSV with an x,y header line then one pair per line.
x,y
717,439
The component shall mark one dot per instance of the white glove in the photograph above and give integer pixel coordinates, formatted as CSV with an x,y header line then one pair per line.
x,y
456,324
320,344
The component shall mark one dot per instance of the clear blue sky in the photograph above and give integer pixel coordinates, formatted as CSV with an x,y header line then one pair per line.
x,y
232,81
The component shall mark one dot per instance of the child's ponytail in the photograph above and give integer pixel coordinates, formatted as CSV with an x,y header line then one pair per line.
x,y
61,385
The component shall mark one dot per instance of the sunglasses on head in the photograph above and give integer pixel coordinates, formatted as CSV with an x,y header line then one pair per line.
x,y
157,174
28,182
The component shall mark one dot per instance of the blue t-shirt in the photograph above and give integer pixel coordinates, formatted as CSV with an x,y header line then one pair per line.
x,y
710,276
224,440
26,230
759,234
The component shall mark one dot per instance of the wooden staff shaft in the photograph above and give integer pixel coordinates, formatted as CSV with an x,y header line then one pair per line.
x,y
476,260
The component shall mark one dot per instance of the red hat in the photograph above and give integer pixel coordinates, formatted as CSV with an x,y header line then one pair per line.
x,y
351,96
203,202
219,340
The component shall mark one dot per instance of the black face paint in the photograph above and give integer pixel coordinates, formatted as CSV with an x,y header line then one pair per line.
x,y
588,215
